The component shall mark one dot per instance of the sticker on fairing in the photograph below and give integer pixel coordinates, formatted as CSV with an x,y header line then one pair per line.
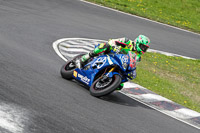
x,y
99,62
124,59
75,74
84,79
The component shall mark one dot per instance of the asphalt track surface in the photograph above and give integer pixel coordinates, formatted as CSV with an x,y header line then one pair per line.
x,y
29,68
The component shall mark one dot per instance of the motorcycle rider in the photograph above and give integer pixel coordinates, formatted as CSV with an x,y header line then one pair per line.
x,y
139,46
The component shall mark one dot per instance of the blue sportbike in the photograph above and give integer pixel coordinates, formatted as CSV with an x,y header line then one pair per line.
x,y
102,74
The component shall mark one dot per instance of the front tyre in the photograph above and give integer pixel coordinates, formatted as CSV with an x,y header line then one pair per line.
x,y
66,70
106,86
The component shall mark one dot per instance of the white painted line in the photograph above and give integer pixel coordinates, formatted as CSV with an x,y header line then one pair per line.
x,y
83,39
55,46
180,115
80,43
162,111
129,85
148,98
153,98
75,46
70,55
140,17
74,50
188,112
169,54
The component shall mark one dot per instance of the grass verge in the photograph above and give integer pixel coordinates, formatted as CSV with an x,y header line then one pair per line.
x,y
175,78
180,13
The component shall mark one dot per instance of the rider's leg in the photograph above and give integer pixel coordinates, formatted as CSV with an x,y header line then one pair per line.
x,y
102,48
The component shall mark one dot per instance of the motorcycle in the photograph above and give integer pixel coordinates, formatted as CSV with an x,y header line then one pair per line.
x,y
102,74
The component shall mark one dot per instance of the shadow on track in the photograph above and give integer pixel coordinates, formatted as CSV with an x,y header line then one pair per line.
x,y
119,98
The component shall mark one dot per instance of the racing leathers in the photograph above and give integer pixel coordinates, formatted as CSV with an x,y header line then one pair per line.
x,y
123,45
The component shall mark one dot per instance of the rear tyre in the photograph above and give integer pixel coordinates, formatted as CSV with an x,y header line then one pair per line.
x,y
100,88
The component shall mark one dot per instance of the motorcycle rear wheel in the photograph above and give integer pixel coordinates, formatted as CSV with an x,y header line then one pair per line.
x,y
108,87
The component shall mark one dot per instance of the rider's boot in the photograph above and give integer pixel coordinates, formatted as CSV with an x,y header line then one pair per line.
x,y
78,63
120,86
81,61
100,49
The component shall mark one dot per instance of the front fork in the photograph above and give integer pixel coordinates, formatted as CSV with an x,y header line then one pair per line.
x,y
111,70
104,77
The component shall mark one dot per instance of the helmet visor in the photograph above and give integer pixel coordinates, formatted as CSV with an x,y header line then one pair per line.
x,y
143,47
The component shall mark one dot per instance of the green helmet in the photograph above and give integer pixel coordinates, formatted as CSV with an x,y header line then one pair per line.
x,y
142,44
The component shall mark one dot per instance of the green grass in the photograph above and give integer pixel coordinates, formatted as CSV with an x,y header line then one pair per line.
x,y
180,13
175,78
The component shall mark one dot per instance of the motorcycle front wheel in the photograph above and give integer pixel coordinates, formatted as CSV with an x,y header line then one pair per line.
x,y
105,86
66,70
